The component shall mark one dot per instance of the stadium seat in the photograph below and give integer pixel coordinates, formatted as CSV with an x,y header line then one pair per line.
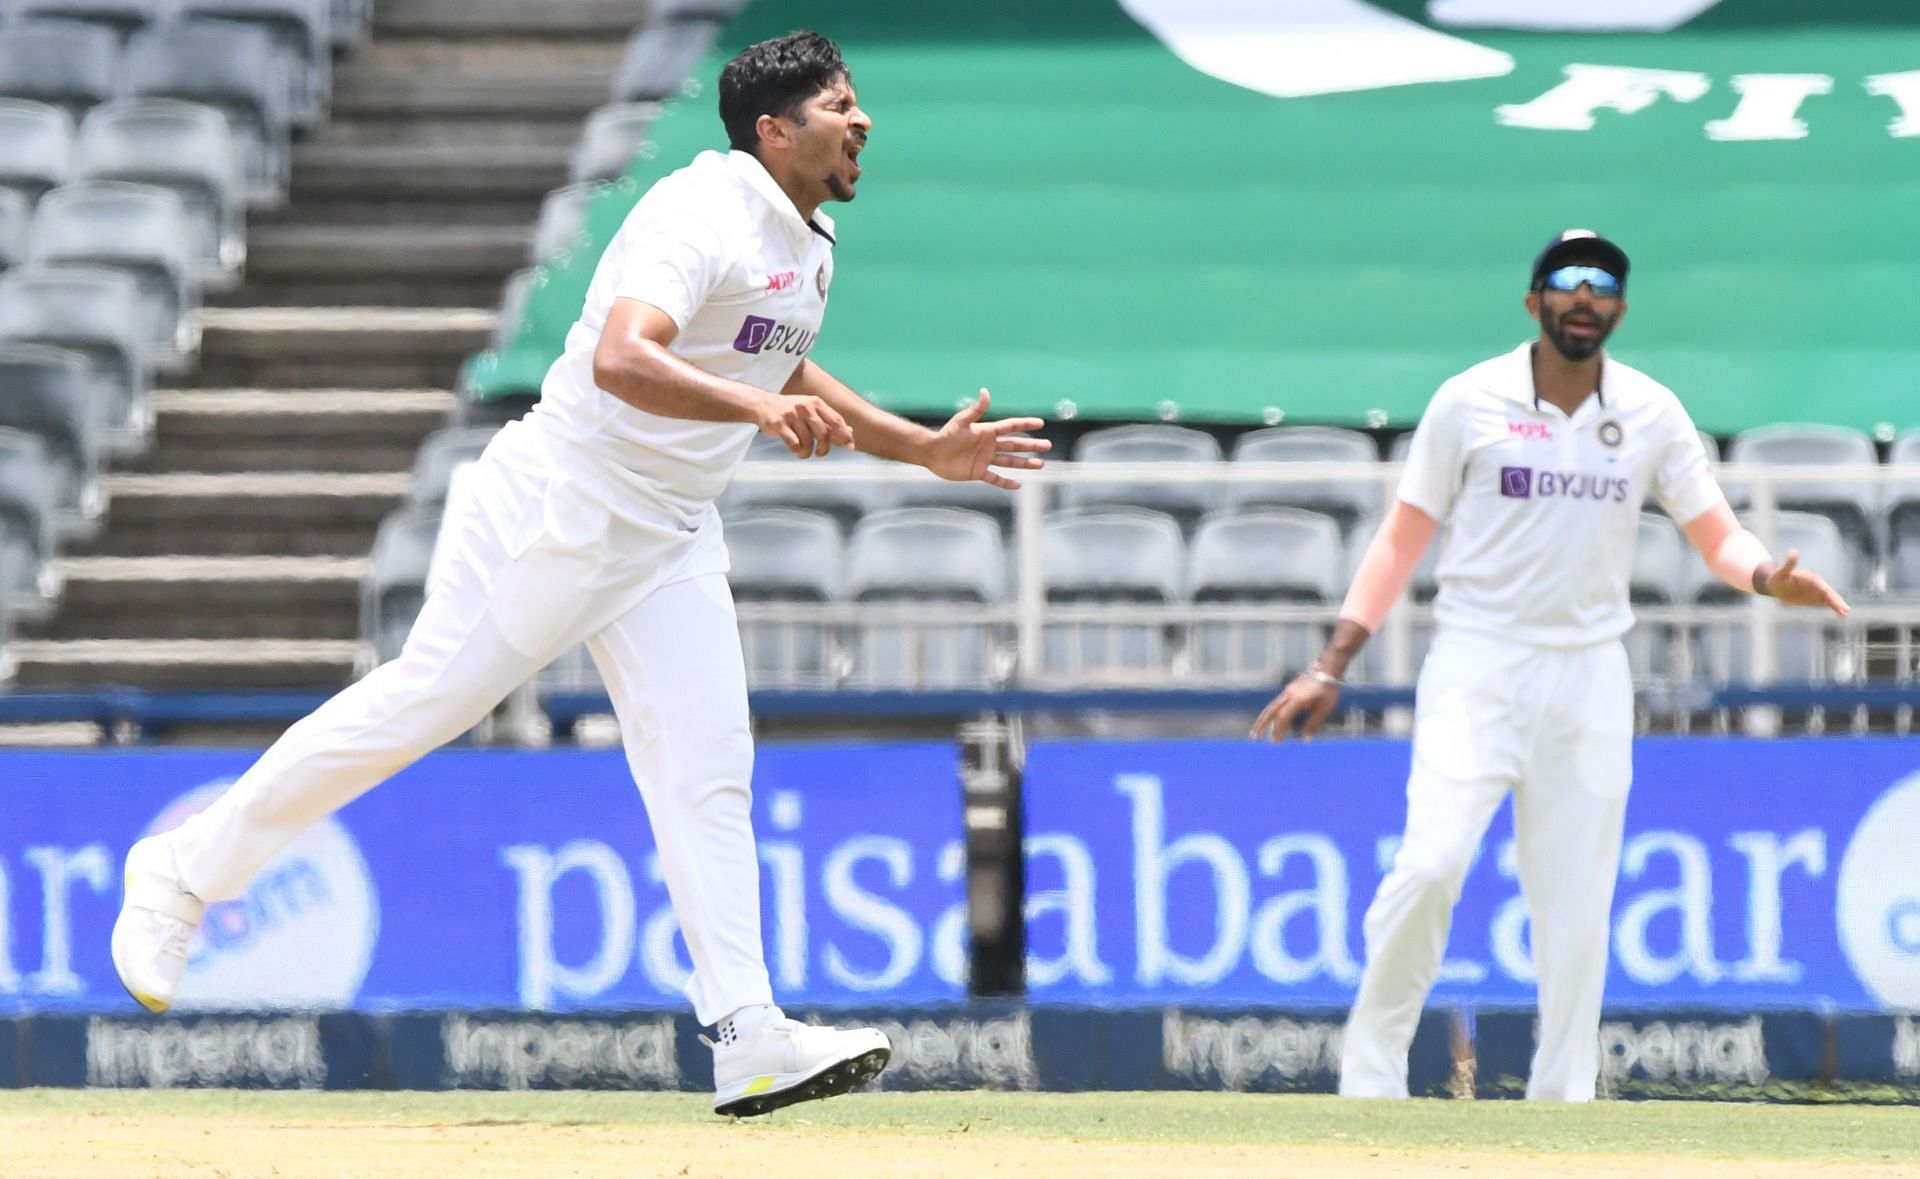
x,y
683,10
1263,556
139,230
396,583
783,555
562,215
513,305
121,17
349,22
1711,445
969,495
1344,500
36,146
931,555
60,62
1804,645
1853,505
16,214
301,35
1659,578
660,56
444,452
45,393
184,147
27,537
1146,444
1903,500
845,501
236,70
612,138
1111,556
95,313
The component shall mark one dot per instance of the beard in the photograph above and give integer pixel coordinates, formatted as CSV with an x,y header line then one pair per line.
x,y
1572,347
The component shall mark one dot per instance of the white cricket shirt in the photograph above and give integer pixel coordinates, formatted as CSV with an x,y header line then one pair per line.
x,y
721,249
1543,510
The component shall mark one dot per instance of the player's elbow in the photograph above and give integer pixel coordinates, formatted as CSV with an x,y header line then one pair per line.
x,y
620,367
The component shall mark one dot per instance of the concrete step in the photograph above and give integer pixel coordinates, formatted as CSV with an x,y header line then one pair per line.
x,y
379,265
283,513
186,664
440,19
465,92
364,347
324,170
176,597
345,430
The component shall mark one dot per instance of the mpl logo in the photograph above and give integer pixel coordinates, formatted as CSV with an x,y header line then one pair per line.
x,y
1530,430
1516,482
782,281
1877,897
301,938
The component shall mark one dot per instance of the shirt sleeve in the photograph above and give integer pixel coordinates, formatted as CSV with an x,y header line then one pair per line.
x,y
1682,480
671,262
1436,461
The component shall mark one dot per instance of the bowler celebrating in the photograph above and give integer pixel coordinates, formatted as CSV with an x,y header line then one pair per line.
x,y
1540,460
593,520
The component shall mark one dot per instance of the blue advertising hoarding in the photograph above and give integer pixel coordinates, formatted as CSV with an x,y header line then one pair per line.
x,y
1204,874
491,879
1754,874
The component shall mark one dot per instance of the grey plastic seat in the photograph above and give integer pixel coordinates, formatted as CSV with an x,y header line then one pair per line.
x,y
784,555
1854,506
932,555
302,36
1264,556
45,393
514,293
612,138
712,10
563,214
440,455
1903,501
64,63
968,495
1659,578
1711,445
28,542
186,148
237,70
349,22
1346,501
95,313
1113,556
396,582
121,17
135,228
798,488
36,146
16,215
660,57
1146,444
1804,647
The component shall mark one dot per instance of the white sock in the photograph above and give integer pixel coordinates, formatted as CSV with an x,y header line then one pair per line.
x,y
742,1023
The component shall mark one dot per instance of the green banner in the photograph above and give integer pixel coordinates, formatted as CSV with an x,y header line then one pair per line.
x,y
1317,210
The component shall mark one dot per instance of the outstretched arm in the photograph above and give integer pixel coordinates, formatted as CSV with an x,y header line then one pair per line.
x,y
1740,560
965,448
1378,583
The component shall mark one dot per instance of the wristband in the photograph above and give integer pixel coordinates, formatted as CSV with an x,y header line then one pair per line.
x,y
1322,676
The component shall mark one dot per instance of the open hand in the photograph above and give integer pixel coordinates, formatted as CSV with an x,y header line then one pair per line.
x,y
968,448
1803,587
1305,697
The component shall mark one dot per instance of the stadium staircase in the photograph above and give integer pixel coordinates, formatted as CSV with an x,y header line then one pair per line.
x,y
234,549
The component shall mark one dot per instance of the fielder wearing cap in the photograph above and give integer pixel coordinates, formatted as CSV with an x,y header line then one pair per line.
x,y
1538,461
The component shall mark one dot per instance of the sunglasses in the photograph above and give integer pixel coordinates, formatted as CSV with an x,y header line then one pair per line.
x,y
1571,278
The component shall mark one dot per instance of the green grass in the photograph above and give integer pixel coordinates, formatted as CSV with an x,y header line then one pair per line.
x,y
1859,1134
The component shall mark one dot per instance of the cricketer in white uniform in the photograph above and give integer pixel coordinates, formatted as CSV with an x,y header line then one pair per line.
x,y
593,520
1539,462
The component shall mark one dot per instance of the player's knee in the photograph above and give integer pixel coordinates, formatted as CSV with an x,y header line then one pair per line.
x,y
1437,869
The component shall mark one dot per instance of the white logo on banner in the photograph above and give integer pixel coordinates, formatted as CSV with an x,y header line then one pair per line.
x,y
1878,899
301,938
1558,16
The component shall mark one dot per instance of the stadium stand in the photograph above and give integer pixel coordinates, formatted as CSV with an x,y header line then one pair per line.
x,y
1112,555
1851,506
1262,558
101,315
137,230
934,557
186,148
785,556
614,135
122,17
301,36
28,547
238,71
396,582
16,213
1147,444
48,396
441,455
36,147
562,216
1344,500
63,63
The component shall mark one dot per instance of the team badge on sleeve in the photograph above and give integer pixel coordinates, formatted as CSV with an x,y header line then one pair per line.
x,y
1611,434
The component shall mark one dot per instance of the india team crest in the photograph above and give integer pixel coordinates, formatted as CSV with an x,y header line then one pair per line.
x,y
1611,434
820,280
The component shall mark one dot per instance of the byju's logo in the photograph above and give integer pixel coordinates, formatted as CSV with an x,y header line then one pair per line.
x,y
753,335
1516,482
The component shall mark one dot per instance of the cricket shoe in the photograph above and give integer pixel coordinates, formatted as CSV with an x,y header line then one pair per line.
x,y
157,918
783,1061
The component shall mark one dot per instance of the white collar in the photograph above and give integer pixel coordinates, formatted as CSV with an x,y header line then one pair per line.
x,y
749,168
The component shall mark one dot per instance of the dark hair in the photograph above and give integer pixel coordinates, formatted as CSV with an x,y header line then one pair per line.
x,y
774,78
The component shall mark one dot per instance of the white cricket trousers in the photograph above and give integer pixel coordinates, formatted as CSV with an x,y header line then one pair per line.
x,y
538,563
1555,727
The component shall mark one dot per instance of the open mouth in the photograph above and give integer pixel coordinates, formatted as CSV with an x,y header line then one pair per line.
x,y
853,157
